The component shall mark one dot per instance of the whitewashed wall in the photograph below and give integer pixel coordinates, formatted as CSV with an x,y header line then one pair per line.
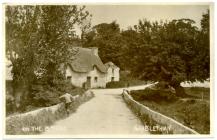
x,y
115,74
79,78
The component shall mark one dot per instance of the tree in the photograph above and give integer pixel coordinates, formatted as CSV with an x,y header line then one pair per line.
x,y
85,28
169,53
106,37
38,41
130,49
57,23
20,41
201,70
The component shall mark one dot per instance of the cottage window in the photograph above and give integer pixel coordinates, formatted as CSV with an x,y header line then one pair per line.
x,y
112,79
96,79
69,78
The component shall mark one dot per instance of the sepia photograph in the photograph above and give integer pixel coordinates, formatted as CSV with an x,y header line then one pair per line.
x,y
108,70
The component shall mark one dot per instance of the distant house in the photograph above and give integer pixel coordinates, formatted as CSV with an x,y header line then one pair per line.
x,y
87,70
112,72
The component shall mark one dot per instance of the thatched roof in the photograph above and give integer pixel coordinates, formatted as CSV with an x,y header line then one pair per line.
x,y
85,60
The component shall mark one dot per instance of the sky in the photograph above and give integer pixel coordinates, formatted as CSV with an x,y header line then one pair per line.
x,y
129,15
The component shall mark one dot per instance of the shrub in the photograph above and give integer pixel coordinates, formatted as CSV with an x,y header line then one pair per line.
x,y
42,96
125,79
77,91
116,84
9,104
153,95
121,84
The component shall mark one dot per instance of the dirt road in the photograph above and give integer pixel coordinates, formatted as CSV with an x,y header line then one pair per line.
x,y
105,114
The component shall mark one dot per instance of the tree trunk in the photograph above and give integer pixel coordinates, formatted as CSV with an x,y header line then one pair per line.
x,y
180,91
18,91
169,80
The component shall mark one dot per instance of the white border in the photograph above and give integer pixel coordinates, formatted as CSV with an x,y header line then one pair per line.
x,y
114,2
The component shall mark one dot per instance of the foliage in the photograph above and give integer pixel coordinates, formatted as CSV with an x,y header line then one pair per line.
x,y
106,37
38,42
154,95
125,80
171,52
123,83
41,96
167,49
201,61
116,84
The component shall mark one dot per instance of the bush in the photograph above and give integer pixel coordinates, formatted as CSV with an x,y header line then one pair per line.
x,y
9,104
116,84
121,84
43,96
77,91
125,79
153,95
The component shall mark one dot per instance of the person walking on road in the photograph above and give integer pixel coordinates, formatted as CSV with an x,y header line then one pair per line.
x,y
68,99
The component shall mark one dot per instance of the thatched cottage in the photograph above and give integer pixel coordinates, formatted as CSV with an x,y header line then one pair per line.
x,y
87,70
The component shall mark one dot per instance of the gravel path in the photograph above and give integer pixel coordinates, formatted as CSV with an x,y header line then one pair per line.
x,y
105,114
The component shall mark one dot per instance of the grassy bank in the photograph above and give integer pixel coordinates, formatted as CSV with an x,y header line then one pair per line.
x,y
193,111
35,124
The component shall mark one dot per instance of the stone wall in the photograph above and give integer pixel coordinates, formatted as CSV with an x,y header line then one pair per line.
x,y
176,127
38,121
88,94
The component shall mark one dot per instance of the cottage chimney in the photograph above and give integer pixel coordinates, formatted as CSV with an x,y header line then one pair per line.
x,y
94,50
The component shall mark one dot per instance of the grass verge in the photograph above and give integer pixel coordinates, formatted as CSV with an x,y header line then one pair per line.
x,y
193,111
